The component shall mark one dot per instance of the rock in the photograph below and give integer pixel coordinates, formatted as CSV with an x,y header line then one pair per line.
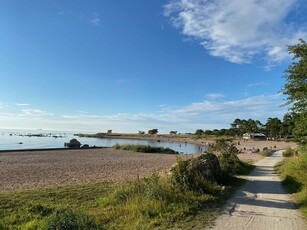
x,y
85,146
208,165
73,143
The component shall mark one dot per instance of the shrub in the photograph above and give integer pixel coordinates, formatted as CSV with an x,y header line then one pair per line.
x,y
116,146
69,220
145,149
223,146
200,174
230,165
289,152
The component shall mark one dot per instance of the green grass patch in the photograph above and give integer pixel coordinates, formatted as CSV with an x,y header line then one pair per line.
x,y
289,152
31,209
151,203
294,175
144,149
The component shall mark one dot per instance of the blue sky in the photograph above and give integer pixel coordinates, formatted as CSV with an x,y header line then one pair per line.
x,y
136,65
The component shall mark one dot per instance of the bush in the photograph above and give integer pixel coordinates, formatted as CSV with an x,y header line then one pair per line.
x,y
289,152
223,147
67,220
144,149
230,165
200,174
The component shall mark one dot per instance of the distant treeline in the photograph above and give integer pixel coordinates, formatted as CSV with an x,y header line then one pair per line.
x,y
274,128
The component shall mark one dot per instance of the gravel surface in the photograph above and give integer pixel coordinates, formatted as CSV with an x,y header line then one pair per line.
x,y
261,203
39,169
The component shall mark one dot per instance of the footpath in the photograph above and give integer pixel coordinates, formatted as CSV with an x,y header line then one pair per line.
x,y
262,203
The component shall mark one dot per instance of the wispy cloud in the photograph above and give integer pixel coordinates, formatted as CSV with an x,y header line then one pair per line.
x,y
215,96
95,19
22,104
256,84
35,113
237,30
206,114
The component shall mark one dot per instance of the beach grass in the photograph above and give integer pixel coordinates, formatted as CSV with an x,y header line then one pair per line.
x,y
294,175
154,202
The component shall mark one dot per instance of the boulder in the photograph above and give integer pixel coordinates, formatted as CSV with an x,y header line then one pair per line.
x,y
208,165
73,143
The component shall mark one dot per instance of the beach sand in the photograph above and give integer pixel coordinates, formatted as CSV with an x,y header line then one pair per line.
x,y
41,169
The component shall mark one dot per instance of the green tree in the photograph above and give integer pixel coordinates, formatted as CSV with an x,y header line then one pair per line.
x,y
199,132
300,128
287,125
273,127
153,131
296,76
296,86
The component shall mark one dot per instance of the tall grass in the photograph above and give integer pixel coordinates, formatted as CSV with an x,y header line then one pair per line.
x,y
294,174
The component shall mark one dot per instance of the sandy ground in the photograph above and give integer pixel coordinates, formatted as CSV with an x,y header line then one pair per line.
x,y
39,169
261,203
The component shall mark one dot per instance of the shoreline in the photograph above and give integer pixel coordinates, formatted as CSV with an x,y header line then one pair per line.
x,y
243,145
49,149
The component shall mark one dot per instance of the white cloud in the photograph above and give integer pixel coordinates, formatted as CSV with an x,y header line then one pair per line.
x,y
95,19
217,114
215,96
239,30
92,19
22,104
35,113
256,84
206,114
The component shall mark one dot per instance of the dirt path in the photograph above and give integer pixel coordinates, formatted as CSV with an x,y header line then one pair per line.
x,y
261,203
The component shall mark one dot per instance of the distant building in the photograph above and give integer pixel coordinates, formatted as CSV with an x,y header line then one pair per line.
x,y
254,136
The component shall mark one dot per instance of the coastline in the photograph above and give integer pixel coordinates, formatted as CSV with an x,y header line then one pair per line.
x,y
243,146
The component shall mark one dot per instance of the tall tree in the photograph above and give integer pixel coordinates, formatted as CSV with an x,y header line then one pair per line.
x,y
296,76
273,127
296,86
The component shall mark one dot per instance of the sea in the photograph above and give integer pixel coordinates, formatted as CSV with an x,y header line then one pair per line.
x,y
41,139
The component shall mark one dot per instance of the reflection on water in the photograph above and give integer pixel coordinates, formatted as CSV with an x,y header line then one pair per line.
x,y
39,139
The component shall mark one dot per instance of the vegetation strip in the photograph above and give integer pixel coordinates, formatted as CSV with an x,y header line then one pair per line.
x,y
144,149
294,175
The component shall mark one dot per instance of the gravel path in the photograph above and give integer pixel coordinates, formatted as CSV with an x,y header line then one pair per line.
x,y
39,169
261,203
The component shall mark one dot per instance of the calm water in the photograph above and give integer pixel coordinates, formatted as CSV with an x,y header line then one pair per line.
x,y
21,140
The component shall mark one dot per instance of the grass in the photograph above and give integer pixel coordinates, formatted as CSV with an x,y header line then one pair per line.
x,y
31,209
145,149
151,203
267,152
156,202
289,152
294,175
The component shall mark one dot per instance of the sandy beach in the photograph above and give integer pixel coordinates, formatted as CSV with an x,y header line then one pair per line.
x,y
40,169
